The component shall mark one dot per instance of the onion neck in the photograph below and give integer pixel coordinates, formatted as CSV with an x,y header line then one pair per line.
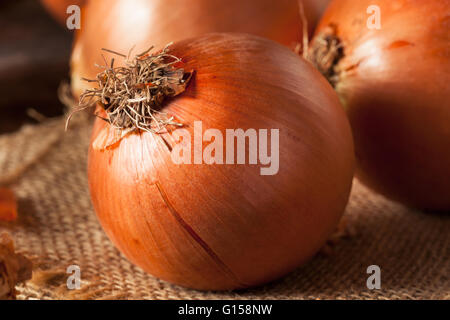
x,y
325,52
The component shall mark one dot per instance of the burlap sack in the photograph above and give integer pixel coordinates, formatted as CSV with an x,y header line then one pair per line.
x,y
58,228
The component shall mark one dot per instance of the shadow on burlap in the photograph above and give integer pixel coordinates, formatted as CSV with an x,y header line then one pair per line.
x,y
57,228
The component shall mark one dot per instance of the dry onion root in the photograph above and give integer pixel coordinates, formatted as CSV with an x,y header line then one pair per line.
x,y
394,84
130,97
226,226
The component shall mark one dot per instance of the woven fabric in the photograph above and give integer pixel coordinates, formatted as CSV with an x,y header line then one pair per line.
x,y
58,228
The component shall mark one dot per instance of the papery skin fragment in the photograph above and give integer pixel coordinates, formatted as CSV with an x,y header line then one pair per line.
x,y
8,205
14,268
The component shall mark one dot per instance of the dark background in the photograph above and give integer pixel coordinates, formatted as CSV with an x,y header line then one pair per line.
x,y
34,60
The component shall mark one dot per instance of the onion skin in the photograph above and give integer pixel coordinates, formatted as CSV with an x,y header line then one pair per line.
x,y
314,10
218,227
396,92
58,8
121,24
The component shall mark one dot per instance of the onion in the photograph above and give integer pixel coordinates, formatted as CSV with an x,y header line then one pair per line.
x,y
394,84
120,24
314,10
58,8
227,226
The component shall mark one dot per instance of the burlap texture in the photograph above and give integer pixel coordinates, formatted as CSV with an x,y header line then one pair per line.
x,y
57,228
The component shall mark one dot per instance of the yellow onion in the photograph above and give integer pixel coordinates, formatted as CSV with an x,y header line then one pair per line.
x,y
227,226
393,79
121,24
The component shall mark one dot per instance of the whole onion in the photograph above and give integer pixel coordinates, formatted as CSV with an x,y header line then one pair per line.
x,y
121,24
227,226
394,84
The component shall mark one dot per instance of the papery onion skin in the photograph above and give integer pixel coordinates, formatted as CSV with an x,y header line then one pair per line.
x,y
121,24
217,227
58,8
396,92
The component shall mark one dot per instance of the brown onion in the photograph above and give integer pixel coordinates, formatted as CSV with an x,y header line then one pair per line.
x,y
227,226
120,24
314,10
394,83
58,8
